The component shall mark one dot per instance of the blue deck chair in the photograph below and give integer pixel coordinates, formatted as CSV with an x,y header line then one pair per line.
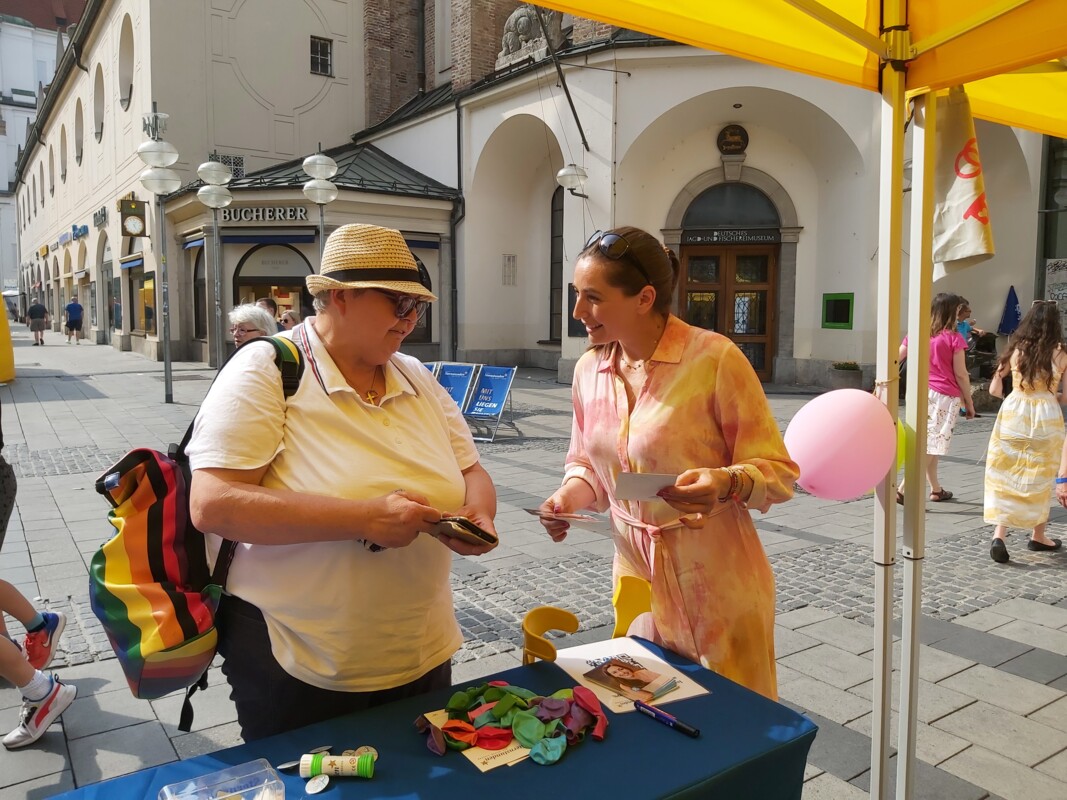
x,y
485,406
433,366
457,379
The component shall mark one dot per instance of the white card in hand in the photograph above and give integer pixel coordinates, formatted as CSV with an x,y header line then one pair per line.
x,y
641,486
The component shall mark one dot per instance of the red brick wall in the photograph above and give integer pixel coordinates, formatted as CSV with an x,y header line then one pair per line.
x,y
389,56
587,30
477,28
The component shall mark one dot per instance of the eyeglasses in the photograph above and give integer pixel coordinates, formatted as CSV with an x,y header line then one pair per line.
x,y
288,321
405,303
615,247
243,331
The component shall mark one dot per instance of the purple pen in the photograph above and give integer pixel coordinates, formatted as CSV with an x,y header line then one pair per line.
x,y
669,720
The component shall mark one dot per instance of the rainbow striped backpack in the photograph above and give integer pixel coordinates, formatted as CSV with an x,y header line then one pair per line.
x,y
150,585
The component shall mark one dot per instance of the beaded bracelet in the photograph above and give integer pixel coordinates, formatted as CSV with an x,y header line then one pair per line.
x,y
737,483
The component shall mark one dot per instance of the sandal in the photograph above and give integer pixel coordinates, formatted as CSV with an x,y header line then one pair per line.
x,y
940,495
900,497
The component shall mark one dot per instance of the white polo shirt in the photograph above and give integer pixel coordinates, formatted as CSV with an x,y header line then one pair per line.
x,y
340,616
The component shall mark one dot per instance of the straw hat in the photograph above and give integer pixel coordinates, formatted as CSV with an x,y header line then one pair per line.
x,y
368,257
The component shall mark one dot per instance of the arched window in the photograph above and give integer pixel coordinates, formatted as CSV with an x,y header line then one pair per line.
x,y
731,205
125,75
79,131
555,269
63,154
199,297
98,104
51,171
41,172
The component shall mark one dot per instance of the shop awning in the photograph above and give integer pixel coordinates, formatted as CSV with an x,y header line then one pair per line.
x,y
133,262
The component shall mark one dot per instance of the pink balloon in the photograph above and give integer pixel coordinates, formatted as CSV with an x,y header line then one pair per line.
x,y
844,442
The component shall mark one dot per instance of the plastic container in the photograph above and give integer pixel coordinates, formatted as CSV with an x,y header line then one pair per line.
x,y
253,780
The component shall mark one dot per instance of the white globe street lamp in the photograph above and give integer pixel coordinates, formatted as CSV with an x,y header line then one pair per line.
x,y
158,155
571,178
319,190
215,195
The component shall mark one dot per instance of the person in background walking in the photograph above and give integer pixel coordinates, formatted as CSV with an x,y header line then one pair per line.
x,y
74,312
1027,443
290,319
950,387
271,306
249,321
37,318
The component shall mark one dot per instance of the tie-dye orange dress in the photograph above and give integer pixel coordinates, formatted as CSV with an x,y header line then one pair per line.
x,y
702,406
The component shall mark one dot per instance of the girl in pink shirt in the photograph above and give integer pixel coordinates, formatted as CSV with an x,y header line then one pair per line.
x,y
950,386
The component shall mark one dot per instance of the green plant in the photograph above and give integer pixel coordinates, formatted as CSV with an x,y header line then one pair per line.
x,y
849,365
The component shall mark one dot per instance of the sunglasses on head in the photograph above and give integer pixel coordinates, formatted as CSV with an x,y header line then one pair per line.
x,y
405,303
615,247
1043,303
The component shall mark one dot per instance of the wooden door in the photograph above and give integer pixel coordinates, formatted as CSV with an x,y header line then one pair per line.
x,y
731,290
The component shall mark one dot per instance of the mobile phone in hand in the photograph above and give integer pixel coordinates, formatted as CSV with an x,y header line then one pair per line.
x,y
463,529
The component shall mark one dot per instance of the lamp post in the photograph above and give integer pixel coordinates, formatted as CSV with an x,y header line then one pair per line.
x,y
320,167
571,178
160,181
215,195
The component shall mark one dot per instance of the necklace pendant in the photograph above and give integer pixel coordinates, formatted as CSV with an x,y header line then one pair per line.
x,y
371,397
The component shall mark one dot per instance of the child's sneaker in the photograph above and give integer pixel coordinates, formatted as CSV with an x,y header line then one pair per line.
x,y
41,645
37,715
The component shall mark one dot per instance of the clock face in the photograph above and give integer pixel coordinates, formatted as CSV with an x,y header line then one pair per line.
x,y
134,226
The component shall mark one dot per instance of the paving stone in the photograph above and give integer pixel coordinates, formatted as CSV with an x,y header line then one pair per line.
x,y
1031,611
46,786
985,619
934,701
197,743
837,750
827,701
831,665
1018,738
119,752
830,787
1002,689
1054,715
852,637
47,756
1035,636
1055,767
1038,665
984,648
787,642
928,783
999,774
932,746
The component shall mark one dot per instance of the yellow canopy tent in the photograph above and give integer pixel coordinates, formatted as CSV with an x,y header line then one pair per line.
x,y
1011,56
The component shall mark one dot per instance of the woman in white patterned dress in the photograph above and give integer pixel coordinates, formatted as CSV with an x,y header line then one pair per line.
x,y
1028,437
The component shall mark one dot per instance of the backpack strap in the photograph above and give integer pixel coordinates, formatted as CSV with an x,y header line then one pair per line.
x,y
290,364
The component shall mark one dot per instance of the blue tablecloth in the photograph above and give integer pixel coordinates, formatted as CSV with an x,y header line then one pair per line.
x,y
748,747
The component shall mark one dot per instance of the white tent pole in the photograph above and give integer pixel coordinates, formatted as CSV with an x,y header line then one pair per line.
x,y
920,279
890,219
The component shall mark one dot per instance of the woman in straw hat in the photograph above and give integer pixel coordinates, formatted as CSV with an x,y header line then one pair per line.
x,y
339,594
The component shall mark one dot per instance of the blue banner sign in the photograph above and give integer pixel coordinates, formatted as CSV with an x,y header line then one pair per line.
x,y
78,231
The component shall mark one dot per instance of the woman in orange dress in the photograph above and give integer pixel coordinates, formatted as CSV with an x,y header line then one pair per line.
x,y
655,395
